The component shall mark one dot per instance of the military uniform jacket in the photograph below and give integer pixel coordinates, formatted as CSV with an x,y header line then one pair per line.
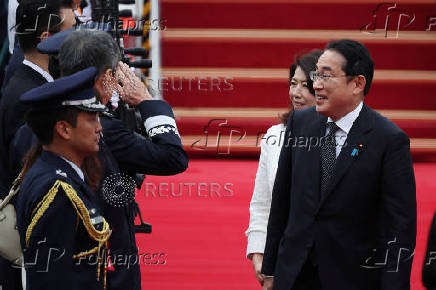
x,y
12,117
51,230
122,151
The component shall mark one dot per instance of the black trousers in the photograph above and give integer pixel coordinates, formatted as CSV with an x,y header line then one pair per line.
x,y
308,279
10,277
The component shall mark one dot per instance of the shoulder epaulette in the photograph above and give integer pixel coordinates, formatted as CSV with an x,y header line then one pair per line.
x,y
107,115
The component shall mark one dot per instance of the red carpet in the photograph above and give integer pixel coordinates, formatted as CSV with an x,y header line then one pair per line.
x,y
199,218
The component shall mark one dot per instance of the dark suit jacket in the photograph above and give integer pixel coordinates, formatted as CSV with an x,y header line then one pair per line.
x,y
368,212
429,268
12,116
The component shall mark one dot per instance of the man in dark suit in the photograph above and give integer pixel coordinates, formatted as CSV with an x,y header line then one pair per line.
x,y
36,20
429,267
343,213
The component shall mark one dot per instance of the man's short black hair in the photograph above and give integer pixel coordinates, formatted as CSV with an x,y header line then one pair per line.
x,y
34,17
358,60
42,122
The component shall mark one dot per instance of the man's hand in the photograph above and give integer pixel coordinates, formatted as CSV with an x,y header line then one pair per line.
x,y
257,259
132,91
268,283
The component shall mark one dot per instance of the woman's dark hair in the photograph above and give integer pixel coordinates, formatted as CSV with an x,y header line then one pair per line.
x,y
307,63
34,17
29,159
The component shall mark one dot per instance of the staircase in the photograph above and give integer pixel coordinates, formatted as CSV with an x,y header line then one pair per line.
x,y
225,64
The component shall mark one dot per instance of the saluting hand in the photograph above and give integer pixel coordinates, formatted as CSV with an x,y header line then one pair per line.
x,y
132,90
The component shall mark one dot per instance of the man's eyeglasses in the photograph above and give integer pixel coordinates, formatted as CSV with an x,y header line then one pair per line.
x,y
315,76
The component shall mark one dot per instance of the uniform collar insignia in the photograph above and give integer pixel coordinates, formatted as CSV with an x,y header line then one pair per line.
x,y
61,173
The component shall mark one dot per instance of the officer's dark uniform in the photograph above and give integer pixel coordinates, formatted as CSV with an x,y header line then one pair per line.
x,y
58,215
126,152
52,243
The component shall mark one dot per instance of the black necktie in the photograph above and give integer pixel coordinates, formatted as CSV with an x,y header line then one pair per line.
x,y
328,156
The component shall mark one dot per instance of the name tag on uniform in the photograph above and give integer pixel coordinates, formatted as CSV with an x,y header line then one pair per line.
x,y
97,220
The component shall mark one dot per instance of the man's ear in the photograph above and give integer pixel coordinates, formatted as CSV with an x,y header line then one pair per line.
x,y
44,35
63,129
359,82
98,84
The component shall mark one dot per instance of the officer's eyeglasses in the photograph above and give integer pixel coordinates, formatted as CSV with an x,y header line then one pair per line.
x,y
315,76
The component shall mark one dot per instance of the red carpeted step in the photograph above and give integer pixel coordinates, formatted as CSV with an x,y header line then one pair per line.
x,y
223,132
231,146
277,48
391,90
299,14
255,122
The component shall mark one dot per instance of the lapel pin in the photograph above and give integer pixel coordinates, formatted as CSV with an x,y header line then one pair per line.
x,y
355,151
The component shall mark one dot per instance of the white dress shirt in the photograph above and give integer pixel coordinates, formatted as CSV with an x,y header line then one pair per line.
x,y
12,10
260,203
345,123
38,69
76,168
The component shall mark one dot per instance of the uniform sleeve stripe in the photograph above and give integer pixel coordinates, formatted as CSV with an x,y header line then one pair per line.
x,y
159,121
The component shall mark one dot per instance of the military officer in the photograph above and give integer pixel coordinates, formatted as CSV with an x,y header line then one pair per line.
x,y
58,215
